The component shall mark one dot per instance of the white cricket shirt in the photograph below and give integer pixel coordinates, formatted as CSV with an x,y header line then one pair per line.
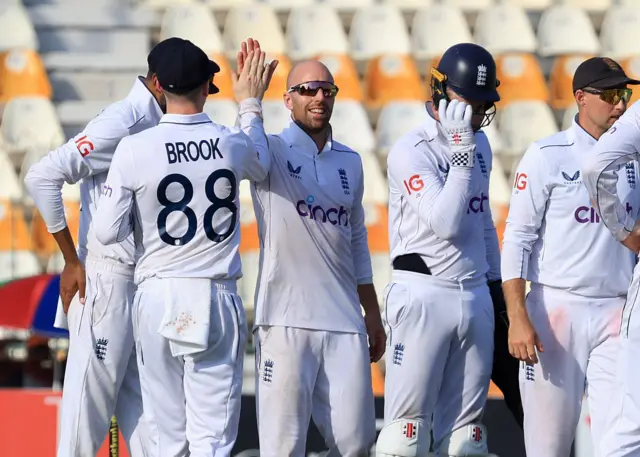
x,y
554,236
313,237
180,180
606,164
442,212
86,158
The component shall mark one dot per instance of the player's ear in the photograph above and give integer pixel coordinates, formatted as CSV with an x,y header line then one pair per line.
x,y
288,102
580,97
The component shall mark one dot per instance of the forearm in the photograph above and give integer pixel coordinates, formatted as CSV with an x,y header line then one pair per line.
x,y
251,123
44,184
492,247
67,246
451,204
368,298
514,295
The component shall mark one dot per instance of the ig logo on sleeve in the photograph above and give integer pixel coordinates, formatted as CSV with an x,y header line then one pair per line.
x,y
413,184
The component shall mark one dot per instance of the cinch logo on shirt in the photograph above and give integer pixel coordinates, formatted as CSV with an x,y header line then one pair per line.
x,y
334,216
589,215
476,204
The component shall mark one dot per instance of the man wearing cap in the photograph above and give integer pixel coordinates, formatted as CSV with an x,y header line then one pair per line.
x,y
180,180
101,374
611,163
566,329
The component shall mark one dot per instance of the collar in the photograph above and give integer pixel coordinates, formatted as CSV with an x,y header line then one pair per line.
x,y
186,119
295,136
141,97
580,135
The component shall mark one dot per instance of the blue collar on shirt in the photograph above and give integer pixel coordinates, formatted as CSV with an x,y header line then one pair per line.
x,y
295,136
580,135
141,97
186,119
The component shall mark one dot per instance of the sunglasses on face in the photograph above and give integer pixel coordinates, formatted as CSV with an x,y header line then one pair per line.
x,y
611,96
311,88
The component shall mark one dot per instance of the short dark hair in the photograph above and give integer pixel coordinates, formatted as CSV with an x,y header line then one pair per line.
x,y
191,95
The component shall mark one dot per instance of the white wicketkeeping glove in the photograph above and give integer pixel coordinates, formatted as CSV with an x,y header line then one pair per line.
x,y
455,118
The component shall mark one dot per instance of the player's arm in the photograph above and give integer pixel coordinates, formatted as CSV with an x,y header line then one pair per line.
x,y
441,205
614,148
526,211
364,273
250,121
112,219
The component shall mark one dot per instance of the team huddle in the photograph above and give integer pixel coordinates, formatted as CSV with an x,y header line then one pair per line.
x,y
158,330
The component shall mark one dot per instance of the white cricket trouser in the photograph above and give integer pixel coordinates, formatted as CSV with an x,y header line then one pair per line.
x,y
303,374
580,340
101,376
622,437
192,402
440,351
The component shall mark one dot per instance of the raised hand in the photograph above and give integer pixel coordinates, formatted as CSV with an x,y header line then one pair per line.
x,y
253,75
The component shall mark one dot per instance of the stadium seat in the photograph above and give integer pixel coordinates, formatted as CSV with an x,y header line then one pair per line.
x,y
349,116
91,85
620,33
495,140
161,4
437,28
43,243
568,115
249,245
16,257
592,6
10,186
345,75
499,196
194,22
95,62
278,85
349,5
631,3
222,79
561,80
223,112
535,115
22,74
396,119
505,28
530,5
470,5
222,5
29,122
632,69
16,29
284,5
521,78
377,30
558,28
409,5
276,116
314,30
392,77
257,21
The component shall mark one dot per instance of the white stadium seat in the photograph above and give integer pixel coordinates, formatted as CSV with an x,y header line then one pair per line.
x,y
194,22
592,6
437,28
16,28
495,139
227,4
377,30
470,5
620,33
160,4
10,187
280,5
535,115
276,116
530,5
108,87
559,28
315,30
30,122
396,119
567,116
223,112
407,5
257,21
632,3
505,28
348,5
349,116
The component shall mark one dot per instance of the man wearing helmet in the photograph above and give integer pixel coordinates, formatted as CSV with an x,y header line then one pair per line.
x,y
444,250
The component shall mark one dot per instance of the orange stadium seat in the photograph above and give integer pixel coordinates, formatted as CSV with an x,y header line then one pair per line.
x,y
278,84
16,256
43,243
521,78
22,74
632,69
561,80
345,75
392,77
222,79
249,246
377,380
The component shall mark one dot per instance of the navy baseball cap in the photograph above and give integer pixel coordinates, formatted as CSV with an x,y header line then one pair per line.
x,y
181,66
601,73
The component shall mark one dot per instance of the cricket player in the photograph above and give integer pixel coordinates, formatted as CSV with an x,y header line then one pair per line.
x,y
444,248
313,358
565,331
180,181
101,374
608,166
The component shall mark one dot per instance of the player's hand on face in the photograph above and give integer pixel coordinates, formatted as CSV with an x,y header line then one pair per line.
x,y
377,336
253,75
72,281
523,339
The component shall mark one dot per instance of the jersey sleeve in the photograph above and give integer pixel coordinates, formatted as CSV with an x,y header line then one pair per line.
x,y
529,198
112,222
614,148
441,205
490,235
258,162
86,154
359,238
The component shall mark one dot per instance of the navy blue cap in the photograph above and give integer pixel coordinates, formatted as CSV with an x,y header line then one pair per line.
x,y
181,66
601,73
